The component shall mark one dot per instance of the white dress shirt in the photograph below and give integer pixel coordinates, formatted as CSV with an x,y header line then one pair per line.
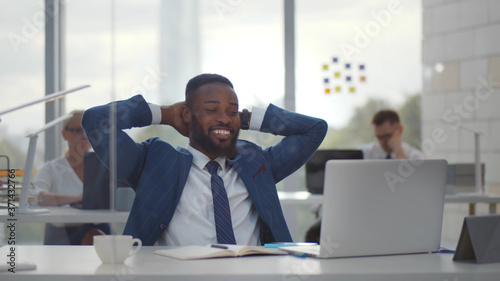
x,y
375,151
57,176
193,221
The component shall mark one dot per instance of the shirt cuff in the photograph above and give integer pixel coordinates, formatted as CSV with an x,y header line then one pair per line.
x,y
155,113
257,118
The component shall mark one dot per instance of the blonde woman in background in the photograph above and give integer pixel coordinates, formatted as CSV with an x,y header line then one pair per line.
x,y
60,182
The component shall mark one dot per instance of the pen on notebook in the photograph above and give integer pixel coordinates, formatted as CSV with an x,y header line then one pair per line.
x,y
300,255
218,246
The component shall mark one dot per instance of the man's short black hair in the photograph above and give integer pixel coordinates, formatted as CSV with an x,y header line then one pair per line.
x,y
385,115
200,80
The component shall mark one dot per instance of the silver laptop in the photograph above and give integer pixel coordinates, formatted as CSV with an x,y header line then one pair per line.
x,y
380,207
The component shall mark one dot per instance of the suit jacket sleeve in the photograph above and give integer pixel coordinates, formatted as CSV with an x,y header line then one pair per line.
x,y
130,156
303,135
261,168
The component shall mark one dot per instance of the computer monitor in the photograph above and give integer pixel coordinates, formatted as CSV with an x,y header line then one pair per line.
x,y
315,166
96,192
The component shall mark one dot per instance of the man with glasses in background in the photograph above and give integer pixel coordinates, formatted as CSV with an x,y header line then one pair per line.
x,y
388,130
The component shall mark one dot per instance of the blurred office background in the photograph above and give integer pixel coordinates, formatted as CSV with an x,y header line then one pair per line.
x,y
428,59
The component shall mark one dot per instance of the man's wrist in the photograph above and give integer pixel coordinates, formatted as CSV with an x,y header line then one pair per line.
x,y
245,119
156,114
256,118
400,153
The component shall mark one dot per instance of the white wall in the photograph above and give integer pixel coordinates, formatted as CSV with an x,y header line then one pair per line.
x,y
461,76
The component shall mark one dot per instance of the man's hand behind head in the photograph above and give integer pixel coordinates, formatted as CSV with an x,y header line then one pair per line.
x,y
172,115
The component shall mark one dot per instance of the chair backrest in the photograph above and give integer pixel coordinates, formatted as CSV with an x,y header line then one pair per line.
x,y
461,178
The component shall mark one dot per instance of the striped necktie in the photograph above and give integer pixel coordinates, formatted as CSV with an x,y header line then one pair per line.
x,y
222,212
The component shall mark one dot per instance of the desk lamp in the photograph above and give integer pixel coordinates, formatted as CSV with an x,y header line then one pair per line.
x,y
47,98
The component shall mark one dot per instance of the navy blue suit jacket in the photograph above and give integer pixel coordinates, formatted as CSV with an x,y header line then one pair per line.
x,y
158,172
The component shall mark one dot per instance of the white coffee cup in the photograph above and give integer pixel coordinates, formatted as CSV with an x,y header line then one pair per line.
x,y
115,248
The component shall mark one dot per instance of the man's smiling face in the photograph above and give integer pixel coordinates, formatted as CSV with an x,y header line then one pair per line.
x,y
214,120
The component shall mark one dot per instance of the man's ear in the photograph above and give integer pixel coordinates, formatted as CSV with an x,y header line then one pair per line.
x,y
186,115
400,129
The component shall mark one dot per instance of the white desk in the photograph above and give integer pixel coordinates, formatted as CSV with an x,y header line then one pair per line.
x,y
299,198
72,215
473,199
81,263
68,215
304,197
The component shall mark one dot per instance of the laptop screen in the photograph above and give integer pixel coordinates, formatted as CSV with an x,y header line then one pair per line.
x,y
315,166
378,207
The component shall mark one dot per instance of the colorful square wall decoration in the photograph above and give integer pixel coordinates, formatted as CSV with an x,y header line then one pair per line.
x,y
334,72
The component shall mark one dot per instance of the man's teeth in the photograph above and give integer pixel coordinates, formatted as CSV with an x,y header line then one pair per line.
x,y
221,132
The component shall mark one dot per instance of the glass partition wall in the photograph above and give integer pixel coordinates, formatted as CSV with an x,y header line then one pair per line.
x,y
22,78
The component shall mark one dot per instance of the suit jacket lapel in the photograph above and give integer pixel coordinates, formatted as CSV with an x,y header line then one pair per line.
x,y
245,170
185,164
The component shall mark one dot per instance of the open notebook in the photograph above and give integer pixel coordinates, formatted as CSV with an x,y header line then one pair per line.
x,y
380,207
217,251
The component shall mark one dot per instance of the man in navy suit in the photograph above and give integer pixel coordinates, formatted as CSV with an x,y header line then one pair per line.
x,y
173,203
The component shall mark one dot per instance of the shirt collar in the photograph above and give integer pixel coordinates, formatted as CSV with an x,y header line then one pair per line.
x,y
382,151
201,160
